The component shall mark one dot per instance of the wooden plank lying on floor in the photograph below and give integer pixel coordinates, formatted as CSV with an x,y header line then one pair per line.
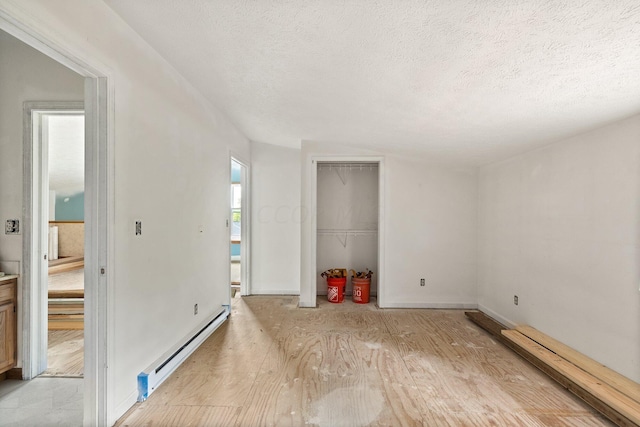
x,y
616,406
598,370
487,323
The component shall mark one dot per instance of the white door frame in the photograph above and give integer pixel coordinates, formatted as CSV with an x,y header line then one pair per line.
x,y
312,224
99,215
245,224
36,196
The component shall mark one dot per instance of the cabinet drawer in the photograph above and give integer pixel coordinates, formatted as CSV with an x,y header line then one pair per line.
x,y
7,292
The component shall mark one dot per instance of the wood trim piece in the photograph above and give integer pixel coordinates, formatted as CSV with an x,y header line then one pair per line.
x,y
487,323
598,370
619,408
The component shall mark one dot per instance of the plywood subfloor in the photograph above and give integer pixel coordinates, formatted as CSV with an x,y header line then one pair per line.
x,y
65,355
274,364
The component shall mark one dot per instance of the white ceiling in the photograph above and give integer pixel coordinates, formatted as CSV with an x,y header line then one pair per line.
x,y
455,80
66,153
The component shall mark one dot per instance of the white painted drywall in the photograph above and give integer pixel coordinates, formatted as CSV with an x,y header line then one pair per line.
x,y
430,221
431,217
275,221
171,172
559,227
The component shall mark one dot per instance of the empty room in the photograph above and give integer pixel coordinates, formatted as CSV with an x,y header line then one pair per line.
x,y
322,213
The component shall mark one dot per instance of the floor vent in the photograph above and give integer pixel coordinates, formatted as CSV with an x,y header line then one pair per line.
x,y
154,375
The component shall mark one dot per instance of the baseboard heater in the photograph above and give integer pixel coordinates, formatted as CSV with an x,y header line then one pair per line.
x,y
158,371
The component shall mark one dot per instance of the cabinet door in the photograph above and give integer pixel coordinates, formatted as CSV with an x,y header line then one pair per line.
x,y
7,337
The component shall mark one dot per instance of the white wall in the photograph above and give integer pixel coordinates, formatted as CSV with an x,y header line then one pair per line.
x,y
560,227
431,216
171,171
275,221
430,230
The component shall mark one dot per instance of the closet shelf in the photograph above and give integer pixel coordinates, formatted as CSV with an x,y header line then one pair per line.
x,y
351,231
342,235
344,169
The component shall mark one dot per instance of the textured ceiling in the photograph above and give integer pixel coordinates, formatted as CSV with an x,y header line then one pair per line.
x,y
469,81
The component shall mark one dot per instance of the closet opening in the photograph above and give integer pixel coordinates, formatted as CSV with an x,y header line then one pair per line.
x,y
348,222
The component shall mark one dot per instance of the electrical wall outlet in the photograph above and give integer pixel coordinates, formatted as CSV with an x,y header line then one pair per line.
x,y
195,309
422,282
12,226
138,228
515,299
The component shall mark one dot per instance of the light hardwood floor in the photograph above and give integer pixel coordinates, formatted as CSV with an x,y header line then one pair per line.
x,y
65,353
274,364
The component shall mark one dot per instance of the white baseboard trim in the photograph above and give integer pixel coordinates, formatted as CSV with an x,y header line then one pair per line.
x,y
165,365
287,292
124,406
436,305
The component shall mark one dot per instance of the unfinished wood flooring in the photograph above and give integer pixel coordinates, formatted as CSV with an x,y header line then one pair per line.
x,y
274,364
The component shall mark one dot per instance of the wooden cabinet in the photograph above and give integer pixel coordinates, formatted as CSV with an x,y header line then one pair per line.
x,y
8,332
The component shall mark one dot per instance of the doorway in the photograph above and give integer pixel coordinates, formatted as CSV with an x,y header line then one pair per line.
x,y
374,236
61,137
239,229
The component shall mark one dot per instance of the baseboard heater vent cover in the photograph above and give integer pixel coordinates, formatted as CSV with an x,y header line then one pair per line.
x,y
158,371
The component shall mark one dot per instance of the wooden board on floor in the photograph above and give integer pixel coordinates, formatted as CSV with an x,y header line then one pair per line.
x,y
598,370
487,323
618,407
